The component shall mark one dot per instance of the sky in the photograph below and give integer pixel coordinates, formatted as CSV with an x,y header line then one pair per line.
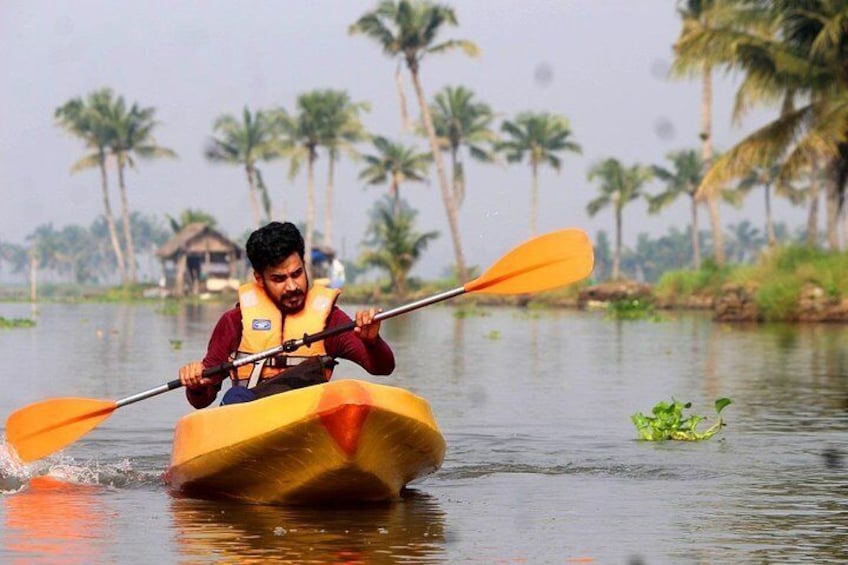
x,y
601,63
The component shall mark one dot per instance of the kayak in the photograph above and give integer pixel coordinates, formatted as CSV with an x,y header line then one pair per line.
x,y
340,441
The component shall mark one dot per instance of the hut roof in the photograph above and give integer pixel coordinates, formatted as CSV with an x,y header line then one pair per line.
x,y
197,237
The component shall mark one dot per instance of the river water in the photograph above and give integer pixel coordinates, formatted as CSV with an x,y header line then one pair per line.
x,y
543,464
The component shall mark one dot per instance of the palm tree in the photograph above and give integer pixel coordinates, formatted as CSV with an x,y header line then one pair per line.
x,y
700,15
619,186
133,137
768,177
541,138
745,241
394,163
408,29
191,216
460,121
342,130
792,52
684,178
318,112
394,245
85,120
245,143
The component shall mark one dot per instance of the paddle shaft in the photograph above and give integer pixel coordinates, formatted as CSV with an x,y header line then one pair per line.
x,y
292,345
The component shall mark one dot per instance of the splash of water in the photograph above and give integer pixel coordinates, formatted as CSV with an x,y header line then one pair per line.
x,y
15,475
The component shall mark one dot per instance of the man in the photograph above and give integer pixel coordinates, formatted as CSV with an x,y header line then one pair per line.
x,y
276,307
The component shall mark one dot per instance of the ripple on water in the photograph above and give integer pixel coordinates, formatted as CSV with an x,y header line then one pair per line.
x,y
16,475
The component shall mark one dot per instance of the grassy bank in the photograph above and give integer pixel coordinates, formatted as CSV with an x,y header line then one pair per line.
x,y
776,281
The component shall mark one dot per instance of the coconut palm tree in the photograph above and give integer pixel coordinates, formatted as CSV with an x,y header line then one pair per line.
x,y
394,163
683,178
540,138
461,121
85,119
409,29
393,244
342,130
794,53
698,15
132,139
245,143
768,178
303,134
191,216
619,185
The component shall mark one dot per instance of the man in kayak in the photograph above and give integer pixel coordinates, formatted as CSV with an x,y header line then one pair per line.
x,y
275,307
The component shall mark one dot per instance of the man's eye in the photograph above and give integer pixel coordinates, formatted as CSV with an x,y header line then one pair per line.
x,y
297,273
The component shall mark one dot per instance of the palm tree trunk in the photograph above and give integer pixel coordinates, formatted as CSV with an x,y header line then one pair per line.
x,y
707,156
616,258
770,235
450,205
404,112
328,210
125,215
110,222
813,216
534,196
33,276
310,211
394,194
457,178
696,243
832,211
251,190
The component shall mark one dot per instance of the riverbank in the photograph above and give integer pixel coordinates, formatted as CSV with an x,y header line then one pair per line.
x,y
792,284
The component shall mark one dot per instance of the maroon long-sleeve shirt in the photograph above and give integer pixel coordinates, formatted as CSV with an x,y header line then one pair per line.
x,y
375,357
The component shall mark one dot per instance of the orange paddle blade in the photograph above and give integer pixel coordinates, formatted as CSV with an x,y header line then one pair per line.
x,y
45,427
542,263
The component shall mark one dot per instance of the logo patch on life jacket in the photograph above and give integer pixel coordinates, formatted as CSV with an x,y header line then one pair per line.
x,y
261,324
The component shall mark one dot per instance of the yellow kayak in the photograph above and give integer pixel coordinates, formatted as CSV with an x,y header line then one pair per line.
x,y
341,441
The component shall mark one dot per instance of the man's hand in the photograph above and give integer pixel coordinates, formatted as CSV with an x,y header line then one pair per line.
x,y
191,376
367,328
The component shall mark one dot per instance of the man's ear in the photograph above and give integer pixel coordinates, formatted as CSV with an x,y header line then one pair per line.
x,y
258,278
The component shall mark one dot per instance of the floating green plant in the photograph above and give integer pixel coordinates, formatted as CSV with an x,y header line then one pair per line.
x,y
494,334
668,422
632,309
16,323
468,311
176,344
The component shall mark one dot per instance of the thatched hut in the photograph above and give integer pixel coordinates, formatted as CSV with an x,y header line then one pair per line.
x,y
200,259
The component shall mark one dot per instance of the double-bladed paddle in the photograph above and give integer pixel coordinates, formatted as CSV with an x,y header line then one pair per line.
x,y
542,263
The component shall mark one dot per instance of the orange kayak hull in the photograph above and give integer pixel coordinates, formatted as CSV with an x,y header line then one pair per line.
x,y
342,441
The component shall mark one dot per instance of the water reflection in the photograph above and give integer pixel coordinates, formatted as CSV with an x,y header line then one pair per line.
x,y
51,521
411,529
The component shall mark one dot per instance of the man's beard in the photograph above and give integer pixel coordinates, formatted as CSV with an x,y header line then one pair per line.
x,y
285,300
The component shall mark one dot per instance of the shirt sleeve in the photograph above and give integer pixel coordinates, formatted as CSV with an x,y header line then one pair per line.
x,y
225,338
375,357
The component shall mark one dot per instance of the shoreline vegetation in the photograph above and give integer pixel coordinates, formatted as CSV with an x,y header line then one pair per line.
x,y
787,284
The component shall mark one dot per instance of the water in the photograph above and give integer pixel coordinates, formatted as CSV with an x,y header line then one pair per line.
x,y
543,464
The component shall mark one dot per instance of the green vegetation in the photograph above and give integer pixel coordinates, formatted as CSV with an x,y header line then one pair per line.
x,y
779,278
8,323
800,50
632,309
668,422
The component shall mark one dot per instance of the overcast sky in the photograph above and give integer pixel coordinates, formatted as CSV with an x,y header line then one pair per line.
x,y
601,63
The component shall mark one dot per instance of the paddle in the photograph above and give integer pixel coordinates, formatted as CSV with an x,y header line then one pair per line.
x,y
542,263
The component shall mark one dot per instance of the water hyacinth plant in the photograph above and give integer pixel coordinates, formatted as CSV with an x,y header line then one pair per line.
x,y
16,322
668,422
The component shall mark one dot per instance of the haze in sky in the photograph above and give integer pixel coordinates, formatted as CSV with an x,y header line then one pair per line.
x,y
601,63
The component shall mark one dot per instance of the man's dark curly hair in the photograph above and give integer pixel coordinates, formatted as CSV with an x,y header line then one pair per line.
x,y
271,244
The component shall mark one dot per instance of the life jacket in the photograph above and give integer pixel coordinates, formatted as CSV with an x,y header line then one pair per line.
x,y
263,327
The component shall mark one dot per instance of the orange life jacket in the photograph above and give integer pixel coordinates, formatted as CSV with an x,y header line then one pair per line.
x,y
263,327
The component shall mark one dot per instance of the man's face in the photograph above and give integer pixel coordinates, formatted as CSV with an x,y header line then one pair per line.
x,y
285,283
